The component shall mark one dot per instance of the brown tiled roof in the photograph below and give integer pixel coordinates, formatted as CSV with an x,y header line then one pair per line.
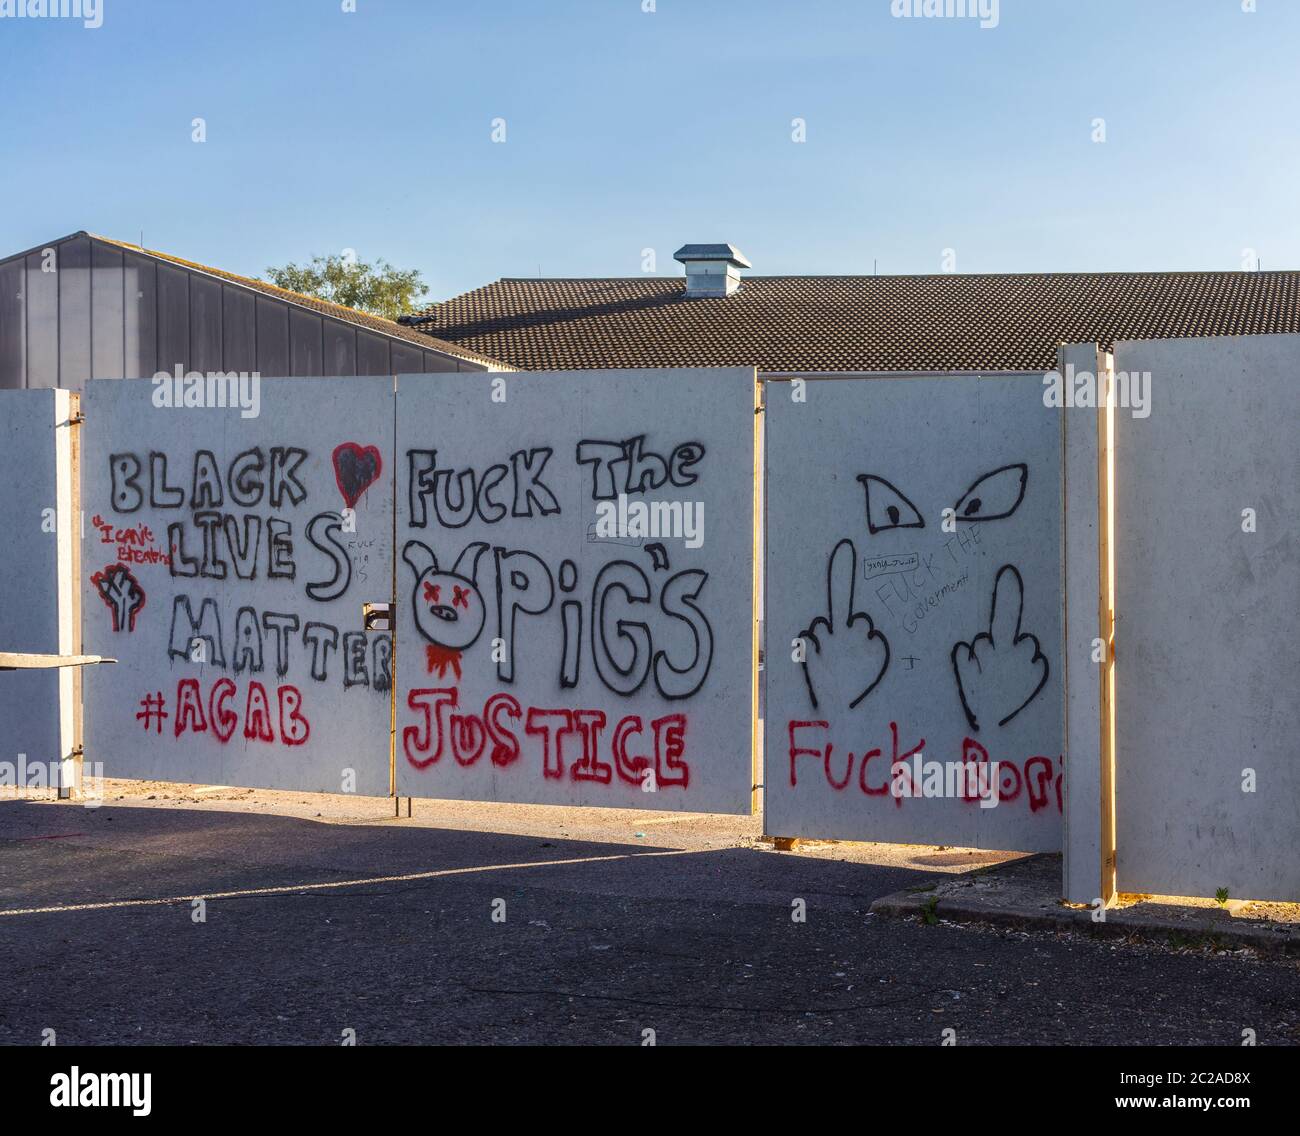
x,y
856,323
321,307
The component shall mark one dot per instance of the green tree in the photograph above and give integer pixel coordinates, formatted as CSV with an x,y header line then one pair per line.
x,y
378,288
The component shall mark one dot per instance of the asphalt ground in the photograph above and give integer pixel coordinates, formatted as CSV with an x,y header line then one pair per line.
x,y
495,924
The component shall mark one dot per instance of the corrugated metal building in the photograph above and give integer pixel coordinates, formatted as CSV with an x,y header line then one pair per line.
x,y
87,307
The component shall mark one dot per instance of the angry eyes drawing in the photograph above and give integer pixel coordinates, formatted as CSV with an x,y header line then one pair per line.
x,y
992,497
998,672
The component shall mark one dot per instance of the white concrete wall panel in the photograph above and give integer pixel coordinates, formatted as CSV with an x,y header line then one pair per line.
x,y
1081,795
918,642
548,652
226,561
1208,619
36,567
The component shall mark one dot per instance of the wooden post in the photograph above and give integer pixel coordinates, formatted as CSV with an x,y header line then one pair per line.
x,y
1106,616
756,725
392,632
73,765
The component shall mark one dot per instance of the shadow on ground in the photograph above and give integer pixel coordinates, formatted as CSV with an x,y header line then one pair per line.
x,y
440,935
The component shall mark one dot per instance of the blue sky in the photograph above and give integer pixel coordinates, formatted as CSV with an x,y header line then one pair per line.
x,y
626,130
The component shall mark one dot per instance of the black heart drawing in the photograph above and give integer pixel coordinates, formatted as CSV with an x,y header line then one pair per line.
x,y
356,469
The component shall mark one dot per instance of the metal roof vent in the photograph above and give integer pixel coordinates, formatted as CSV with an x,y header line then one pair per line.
x,y
711,270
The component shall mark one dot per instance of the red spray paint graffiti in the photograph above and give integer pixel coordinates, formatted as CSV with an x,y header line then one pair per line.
x,y
568,741
356,469
1036,780
214,714
135,545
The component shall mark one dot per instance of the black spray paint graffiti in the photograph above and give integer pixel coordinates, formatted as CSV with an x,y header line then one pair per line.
x,y
367,661
844,640
887,508
992,497
658,556
225,541
608,627
516,489
460,496
450,613
629,612
448,606
249,477
323,534
1001,659
627,467
210,541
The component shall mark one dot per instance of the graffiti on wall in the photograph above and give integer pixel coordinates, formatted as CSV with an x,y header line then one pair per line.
x,y
575,583
913,613
238,568
531,621
997,672
243,666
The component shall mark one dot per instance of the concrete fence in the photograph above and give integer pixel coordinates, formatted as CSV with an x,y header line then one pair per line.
x,y
913,610
38,577
998,611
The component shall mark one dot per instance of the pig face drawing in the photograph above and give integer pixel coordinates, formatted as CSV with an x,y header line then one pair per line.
x,y
449,607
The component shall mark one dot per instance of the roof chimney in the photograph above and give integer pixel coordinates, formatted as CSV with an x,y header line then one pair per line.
x,y
711,270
